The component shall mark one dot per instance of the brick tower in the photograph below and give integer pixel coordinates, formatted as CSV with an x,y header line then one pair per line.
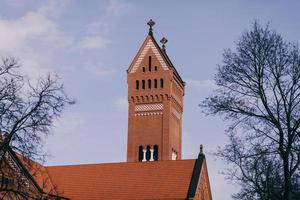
x,y
155,97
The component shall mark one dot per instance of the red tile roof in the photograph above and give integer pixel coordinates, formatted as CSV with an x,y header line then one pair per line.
x,y
149,180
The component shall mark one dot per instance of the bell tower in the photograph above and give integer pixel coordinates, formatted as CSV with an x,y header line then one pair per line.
x,y
155,98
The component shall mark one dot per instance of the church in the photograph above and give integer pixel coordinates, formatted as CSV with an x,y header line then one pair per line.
x,y
154,168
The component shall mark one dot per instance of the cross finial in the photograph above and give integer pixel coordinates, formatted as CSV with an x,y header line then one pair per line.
x,y
150,23
201,149
164,42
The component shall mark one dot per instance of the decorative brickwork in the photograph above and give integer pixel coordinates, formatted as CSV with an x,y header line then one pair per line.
x,y
149,45
148,113
149,107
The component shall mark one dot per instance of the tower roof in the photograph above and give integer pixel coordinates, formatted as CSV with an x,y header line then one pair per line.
x,y
150,43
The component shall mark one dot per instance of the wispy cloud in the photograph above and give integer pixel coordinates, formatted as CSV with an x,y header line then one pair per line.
x,y
54,8
97,32
22,37
202,84
118,8
93,42
74,121
15,3
97,69
121,103
36,37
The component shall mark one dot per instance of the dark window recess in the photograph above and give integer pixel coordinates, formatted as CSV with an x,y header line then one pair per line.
x,y
155,83
148,153
155,68
137,84
161,83
149,84
140,153
143,84
155,154
150,64
144,69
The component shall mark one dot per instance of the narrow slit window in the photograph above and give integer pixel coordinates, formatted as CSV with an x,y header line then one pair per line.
x,y
155,154
143,84
155,68
155,83
149,84
150,63
141,153
161,83
137,84
144,69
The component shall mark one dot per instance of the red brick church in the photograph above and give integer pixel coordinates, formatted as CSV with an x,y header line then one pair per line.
x,y
154,168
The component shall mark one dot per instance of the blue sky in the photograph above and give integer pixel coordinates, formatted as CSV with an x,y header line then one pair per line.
x,y
90,44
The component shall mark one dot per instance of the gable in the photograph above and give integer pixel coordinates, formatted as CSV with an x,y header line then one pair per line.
x,y
149,44
16,181
199,188
22,178
203,190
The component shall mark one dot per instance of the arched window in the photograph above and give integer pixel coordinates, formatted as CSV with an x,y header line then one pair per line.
x,y
140,153
144,69
150,64
155,83
155,68
161,83
148,153
143,84
137,84
155,154
149,84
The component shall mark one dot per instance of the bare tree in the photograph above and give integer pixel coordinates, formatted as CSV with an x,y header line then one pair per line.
x,y
259,94
27,112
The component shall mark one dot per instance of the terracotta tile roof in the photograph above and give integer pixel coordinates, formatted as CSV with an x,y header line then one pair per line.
x,y
151,180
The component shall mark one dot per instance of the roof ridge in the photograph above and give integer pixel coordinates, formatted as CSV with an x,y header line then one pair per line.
x,y
116,163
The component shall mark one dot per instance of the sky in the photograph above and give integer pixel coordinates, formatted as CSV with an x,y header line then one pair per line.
x,y
90,44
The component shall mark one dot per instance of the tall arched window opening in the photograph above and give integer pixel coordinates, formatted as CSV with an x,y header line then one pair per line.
x,y
149,84
155,154
155,68
161,83
150,63
155,83
137,84
143,84
140,153
148,153
144,69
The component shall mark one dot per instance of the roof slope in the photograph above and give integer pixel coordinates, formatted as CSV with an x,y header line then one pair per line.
x,y
150,180
150,43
